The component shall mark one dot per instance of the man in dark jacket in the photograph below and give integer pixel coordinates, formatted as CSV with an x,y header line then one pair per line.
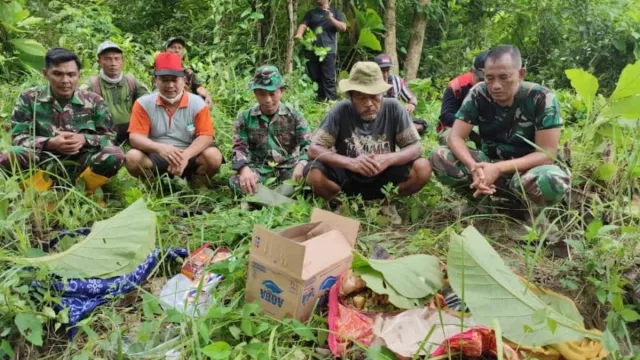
x,y
455,93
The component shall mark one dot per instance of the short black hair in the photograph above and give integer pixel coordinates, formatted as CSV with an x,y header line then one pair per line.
x,y
502,50
57,56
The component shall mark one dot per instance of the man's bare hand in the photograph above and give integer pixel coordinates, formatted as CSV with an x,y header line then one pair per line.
x,y
484,177
411,108
248,180
298,172
171,154
365,165
67,143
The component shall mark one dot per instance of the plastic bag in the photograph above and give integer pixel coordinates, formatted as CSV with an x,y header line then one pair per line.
x,y
347,324
182,294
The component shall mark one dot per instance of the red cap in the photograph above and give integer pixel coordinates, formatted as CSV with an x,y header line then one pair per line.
x,y
167,63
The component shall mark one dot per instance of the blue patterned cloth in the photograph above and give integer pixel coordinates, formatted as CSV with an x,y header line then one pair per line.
x,y
81,296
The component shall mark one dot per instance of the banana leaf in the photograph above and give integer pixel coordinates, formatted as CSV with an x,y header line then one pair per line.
x,y
114,247
491,291
408,281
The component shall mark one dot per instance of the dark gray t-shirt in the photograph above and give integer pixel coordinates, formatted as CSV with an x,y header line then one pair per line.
x,y
319,18
352,136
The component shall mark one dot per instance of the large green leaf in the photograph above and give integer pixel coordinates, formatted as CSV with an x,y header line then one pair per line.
x,y
368,39
628,108
586,85
606,172
629,82
9,12
30,52
493,292
413,276
114,247
375,281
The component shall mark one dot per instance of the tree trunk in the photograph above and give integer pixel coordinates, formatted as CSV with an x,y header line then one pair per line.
x,y
292,9
390,44
414,51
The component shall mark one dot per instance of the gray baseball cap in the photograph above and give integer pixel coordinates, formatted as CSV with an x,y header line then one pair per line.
x,y
108,45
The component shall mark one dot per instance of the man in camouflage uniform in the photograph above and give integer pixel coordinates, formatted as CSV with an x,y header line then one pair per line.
x,y
511,116
177,45
270,139
59,123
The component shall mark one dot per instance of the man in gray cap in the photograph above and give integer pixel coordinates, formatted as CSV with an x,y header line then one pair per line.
x,y
365,130
178,45
119,91
399,90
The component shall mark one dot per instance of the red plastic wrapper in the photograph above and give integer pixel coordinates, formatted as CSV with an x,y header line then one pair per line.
x,y
346,324
474,343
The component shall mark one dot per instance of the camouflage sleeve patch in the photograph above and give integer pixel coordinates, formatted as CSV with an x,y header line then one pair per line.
x,y
22,123
547,112
468,112
104,136
240,145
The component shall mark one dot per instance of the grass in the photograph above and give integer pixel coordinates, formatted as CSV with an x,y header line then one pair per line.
x,y
601,233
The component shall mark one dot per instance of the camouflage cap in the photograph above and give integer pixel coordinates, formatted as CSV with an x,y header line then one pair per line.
x,y
267,77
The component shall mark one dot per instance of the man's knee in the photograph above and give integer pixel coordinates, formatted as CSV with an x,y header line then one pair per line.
x,y
421,170
107,161
443,161
315,177
211,160
546,184
137,162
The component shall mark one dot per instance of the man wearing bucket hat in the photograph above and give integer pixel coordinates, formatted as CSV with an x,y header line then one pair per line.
x,y
365,130
178,45
171,130
270,139
399,90
455,93
118,90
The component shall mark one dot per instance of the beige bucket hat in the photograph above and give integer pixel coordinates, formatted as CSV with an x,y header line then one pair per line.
x,y
365,77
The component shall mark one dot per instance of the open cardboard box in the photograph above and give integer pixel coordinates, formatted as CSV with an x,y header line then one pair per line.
x,y
291,269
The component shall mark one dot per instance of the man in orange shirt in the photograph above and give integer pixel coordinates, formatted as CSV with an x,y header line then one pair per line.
x,y
171,130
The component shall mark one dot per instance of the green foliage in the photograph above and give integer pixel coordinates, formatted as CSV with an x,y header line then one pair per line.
x,y
15,21
370,24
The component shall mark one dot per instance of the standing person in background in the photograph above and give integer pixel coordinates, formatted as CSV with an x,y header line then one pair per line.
x,y
329,20
118,90
177,45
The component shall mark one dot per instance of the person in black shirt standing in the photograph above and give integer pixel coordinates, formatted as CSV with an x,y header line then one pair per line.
x,y
330,20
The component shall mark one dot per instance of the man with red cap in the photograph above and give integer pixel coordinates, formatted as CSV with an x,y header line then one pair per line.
x,y
171,130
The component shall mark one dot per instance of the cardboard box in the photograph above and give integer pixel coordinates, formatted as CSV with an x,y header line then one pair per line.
x,y
290,270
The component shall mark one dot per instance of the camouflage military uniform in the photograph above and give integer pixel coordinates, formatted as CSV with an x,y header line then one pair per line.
x,y
270,146
37,117
507,133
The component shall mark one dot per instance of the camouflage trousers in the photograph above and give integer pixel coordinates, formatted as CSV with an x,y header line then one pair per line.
x,y
543,185
279,174
105,161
